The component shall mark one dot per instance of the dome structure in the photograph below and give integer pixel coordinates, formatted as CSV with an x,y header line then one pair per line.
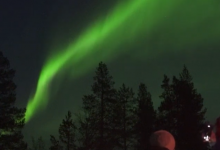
x,y
162,139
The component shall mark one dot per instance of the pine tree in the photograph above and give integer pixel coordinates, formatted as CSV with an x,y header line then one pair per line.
x,y
125,99
12,118
192,116
67,132
183,109
38,144
55,143
95,127
88,123
167,111
103,90
146,118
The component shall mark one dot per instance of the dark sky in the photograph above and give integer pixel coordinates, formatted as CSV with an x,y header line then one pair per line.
x,y
29,28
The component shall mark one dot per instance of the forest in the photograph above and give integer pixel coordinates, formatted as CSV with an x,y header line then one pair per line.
x,y
111,118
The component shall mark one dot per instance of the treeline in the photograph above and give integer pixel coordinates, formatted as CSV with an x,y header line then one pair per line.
x,y
117,119
110,118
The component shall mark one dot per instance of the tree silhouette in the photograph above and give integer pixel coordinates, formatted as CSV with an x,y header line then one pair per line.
x,y
182,111
104,92
167,110
125,100
55,143
38,144
146,118
88,123
12,118
67,131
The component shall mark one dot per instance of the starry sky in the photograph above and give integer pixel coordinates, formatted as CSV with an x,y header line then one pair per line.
x,y
31,30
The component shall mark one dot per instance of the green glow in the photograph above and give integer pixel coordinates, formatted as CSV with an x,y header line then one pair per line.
x,y
127,23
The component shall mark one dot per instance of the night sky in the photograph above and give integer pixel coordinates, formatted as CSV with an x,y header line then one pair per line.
x,y
31,31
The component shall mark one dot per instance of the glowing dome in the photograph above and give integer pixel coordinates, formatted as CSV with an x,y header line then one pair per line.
x,y
163,139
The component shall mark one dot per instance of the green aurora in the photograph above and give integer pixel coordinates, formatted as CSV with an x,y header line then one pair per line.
x,y
186,22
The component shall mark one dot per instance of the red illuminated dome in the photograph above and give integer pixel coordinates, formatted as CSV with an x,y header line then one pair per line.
x,y
163,139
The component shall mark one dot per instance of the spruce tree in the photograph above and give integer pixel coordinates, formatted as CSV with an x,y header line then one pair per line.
x,y
192,116
103,90
125,100
12,118
67,131
166,117
55,143
88,123
183,110
38,144
146,118
97,111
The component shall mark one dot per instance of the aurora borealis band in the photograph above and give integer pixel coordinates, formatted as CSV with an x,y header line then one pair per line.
x,y
128,21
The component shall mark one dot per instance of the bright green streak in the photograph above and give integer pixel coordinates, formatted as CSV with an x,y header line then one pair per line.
x,y
126,24
93,36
